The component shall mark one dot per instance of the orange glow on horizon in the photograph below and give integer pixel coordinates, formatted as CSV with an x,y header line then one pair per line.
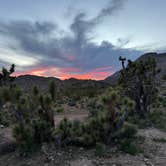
x,y
66,73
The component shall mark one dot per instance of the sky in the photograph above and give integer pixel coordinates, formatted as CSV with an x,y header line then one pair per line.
x,y
78,38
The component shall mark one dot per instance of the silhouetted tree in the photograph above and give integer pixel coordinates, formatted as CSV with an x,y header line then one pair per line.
x,y
5,75
138,82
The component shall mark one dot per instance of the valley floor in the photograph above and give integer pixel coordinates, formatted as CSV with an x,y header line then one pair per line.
x,y
154,154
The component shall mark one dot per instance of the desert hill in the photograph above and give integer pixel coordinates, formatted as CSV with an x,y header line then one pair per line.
x,y
161,64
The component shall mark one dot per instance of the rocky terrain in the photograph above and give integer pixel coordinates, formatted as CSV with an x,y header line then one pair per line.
x,y
153,145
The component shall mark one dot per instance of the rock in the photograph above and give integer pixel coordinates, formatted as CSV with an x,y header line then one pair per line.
x,y
72,103
2,126
81,148
59,154
147,162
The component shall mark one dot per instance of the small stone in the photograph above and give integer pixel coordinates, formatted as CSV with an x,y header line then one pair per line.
x,y
146,160
2,126
51,158
59,154
81,148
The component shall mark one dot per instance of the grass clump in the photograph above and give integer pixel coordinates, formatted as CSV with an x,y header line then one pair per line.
x,y
128,146
128,139
100,149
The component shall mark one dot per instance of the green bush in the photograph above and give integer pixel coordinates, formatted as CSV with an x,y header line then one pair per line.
x,y
76,128
24,138
4,118
158,119
65,130
129,130
100,149
60,110
42,131
87,140
128,146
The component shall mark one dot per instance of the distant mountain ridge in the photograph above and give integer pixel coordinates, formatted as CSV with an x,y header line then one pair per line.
x,y
161,64
28,81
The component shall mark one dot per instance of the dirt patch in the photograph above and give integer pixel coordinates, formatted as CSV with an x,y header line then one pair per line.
x,y
70,115
7,143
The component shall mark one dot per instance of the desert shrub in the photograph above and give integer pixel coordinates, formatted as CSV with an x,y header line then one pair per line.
x,y
30,132
10,94
24,138
5,94
100,149
103,126
37,120
76,128
87,140
128,130
129,146
158,119
60,110
117,110
42,131
95,129
4,118
64,131
31,113
94,107
162,101
127,140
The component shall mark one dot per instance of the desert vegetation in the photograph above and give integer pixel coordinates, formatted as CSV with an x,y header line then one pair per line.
x,y
114,114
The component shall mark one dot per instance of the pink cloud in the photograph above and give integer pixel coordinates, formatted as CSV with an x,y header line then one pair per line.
x,y
66,73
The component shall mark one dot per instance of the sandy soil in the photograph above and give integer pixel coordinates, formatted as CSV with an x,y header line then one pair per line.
x,y
71,115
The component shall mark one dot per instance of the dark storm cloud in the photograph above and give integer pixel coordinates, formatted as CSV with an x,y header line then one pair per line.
x,y
82,26
42,41
112,7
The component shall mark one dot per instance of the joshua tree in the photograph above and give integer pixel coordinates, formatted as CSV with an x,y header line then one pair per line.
x,y
122,61
5,75
52,90
138,82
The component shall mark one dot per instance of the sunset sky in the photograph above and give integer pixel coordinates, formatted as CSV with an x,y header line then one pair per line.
x,y
78,38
